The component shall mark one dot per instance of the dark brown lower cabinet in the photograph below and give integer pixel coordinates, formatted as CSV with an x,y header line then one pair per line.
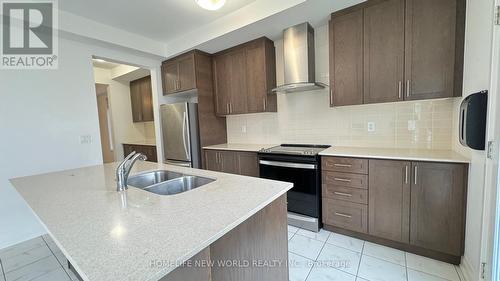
x,y
212,160
414,206
221,161
228,162
232,162
248,164
348,215
389,200
148,150
438,206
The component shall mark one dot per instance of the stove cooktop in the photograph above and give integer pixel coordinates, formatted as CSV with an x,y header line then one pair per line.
x,y
295,149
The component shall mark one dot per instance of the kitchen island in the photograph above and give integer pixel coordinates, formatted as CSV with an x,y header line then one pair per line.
x,y
233,228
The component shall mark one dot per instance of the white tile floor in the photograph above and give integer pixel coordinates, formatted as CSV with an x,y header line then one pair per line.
x,y
323,256
38,259
327,256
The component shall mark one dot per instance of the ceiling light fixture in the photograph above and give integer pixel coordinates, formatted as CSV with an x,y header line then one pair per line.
x,y
211,5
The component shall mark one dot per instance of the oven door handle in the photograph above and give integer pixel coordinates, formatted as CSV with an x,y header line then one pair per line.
x,y
288,165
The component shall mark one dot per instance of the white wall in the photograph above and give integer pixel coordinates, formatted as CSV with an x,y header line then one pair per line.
x,y
307,117
477,69
43,113
124,129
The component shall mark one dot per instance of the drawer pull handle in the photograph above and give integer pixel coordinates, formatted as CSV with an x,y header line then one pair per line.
x,y
343,215
343,180
342,165
343,194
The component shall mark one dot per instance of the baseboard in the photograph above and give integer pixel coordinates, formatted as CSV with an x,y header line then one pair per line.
x,y
466,270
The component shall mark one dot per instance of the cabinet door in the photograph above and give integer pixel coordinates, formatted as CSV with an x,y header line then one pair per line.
x,y
430,48
248,164
384,51
212,160
147,99
229,163
127,149
187,78
438,206
136,100
238,82
170,76
389,199
346,59
222,74
150,152
256,77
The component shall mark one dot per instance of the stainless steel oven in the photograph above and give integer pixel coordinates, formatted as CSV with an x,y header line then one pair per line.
x,y
299,165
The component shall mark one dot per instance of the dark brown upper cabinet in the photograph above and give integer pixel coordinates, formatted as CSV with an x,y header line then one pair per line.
x,y
389,200
179,74
243,78
142,100
346,59
383,52
433,48
437,212
396,50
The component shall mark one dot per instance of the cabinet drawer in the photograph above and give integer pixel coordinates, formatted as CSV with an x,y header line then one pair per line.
x,y
354,195
347,215
347,165
345,179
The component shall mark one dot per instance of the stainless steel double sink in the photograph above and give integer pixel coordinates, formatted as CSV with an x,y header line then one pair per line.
x,y
164,182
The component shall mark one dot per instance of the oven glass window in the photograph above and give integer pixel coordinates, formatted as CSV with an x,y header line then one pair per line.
x,y
304,196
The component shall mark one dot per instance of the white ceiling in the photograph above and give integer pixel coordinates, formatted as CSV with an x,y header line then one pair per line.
x,y
160,20
316,12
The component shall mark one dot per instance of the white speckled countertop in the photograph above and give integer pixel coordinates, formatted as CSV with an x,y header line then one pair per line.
x,y
108,235
396,154
240,147
364,152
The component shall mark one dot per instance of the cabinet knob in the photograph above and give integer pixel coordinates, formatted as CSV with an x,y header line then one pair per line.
x,y
400,89
343,215
342,179
342,165
406,174
342,194
416,174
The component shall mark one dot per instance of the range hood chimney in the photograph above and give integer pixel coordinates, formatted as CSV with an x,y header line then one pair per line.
x,y
298,45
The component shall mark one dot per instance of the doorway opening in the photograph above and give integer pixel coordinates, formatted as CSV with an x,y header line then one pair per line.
x,y
125,109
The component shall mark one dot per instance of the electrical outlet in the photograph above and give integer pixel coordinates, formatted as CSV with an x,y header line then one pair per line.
x,y
371,126
85,139
412,126
244,129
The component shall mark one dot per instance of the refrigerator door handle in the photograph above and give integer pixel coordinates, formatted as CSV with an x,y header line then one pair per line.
x,y
185,134
180,164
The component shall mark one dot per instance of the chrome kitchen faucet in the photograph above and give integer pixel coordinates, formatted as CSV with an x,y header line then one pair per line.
x,y
123,170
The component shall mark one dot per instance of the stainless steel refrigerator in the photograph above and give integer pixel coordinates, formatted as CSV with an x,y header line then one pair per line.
x,y
180,131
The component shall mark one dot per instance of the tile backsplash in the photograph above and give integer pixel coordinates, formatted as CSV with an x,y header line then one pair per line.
x,y
307,118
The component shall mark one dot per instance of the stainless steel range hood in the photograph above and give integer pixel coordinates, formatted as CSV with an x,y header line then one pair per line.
x,y
298,45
